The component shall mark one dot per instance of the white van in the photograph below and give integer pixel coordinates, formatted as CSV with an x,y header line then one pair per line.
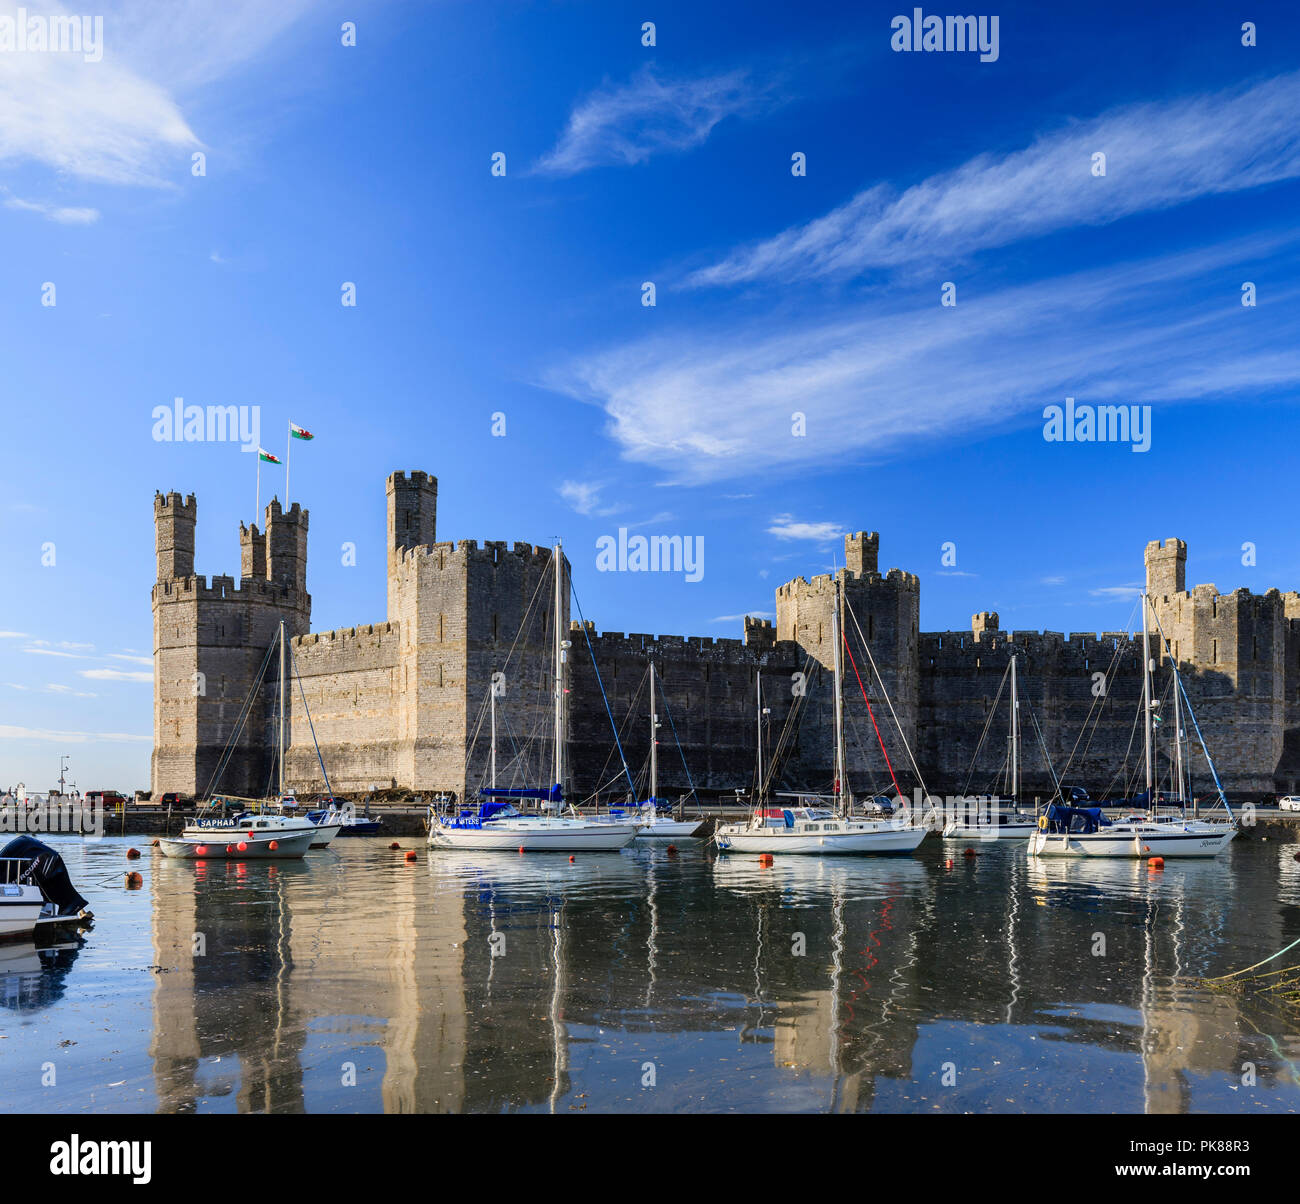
x,y
1290,802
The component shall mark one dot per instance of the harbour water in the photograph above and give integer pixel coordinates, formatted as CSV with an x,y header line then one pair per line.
x,y
645,981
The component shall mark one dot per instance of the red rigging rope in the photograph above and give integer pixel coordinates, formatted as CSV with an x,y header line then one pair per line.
x,y
898,790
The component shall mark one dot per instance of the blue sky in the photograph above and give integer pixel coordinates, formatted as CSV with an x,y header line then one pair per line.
x,y
522,294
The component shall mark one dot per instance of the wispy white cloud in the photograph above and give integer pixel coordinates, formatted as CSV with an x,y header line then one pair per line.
x,y
119,120
135,660
10,732
584,497
1116,591
72,656
1157,155
115,675
749,614
632,122
706,405
64,215
785,526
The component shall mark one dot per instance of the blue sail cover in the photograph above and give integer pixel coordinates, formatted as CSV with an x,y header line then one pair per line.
x,y
1082,820
553,795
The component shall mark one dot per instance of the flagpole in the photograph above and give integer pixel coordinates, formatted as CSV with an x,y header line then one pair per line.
x,y
288,453
257,510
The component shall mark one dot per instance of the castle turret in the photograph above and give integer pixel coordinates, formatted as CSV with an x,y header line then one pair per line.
x,y
862,552
252,552
412,521
173,522
286,545
1166,564
986,620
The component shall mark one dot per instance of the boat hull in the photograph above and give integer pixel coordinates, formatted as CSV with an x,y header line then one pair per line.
x,y
225,847
670,829
884,840
1141,844
1004,832
541,835
20,912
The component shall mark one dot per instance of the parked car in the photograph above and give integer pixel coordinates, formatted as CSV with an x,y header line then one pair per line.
x,y
1289,802
111,799
170,799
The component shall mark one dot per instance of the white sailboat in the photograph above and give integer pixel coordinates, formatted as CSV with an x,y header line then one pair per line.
x,y
1084,832
263,830
496,825
991,823
654,824
817,831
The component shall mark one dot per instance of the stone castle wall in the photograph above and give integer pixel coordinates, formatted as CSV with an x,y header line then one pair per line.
x,y
404,702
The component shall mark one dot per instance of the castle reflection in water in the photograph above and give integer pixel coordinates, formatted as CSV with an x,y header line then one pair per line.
x,y
818,984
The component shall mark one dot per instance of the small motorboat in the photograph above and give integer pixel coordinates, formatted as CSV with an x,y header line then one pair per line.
x,y
255,843
655,822
345,816
218,820
36,894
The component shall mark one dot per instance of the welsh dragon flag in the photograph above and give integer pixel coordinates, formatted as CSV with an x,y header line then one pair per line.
x,y
263,454
299,432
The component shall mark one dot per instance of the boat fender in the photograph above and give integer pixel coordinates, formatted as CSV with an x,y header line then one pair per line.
x,y
242,846
275,844
230,848
201,850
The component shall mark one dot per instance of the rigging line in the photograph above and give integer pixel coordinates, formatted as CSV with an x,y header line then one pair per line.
x,y
587,635
898,790
1178,681
244,711
988,722
680,750
293,665
866,647
627,719
1099,700
1042,744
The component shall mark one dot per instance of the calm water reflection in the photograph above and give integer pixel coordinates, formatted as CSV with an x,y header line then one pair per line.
x,y
359,982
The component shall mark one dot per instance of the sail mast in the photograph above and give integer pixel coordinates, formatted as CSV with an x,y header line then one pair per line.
x,y
492,705
559,676
1015,736
281,740
1146,706
654,738
758,719
839,702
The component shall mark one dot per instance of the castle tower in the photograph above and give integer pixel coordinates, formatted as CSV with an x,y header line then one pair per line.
x,y
210,641
986,620
173,522
286,546
412,522
252,552
882,609
862,552
1166,565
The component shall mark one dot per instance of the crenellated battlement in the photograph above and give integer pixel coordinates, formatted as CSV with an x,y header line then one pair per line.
x,y
395,701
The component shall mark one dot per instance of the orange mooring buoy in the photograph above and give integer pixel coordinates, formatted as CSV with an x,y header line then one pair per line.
x,y
394,845
672,850
410,854
134,880
154,845
521,848
948,864
133,853
570,858
969,852
1155,863
765,859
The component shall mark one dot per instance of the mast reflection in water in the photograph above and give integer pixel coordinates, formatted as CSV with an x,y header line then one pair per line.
x,y
644,981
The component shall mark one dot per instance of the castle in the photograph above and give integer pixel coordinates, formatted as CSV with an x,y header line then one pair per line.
x,y
401,703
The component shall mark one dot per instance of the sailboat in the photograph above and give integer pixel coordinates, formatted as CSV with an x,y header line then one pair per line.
x,y
992,823
268,829
655,823
1066,831
815,830
498,825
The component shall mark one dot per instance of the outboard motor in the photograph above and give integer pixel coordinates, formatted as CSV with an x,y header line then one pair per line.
x,y
45,870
